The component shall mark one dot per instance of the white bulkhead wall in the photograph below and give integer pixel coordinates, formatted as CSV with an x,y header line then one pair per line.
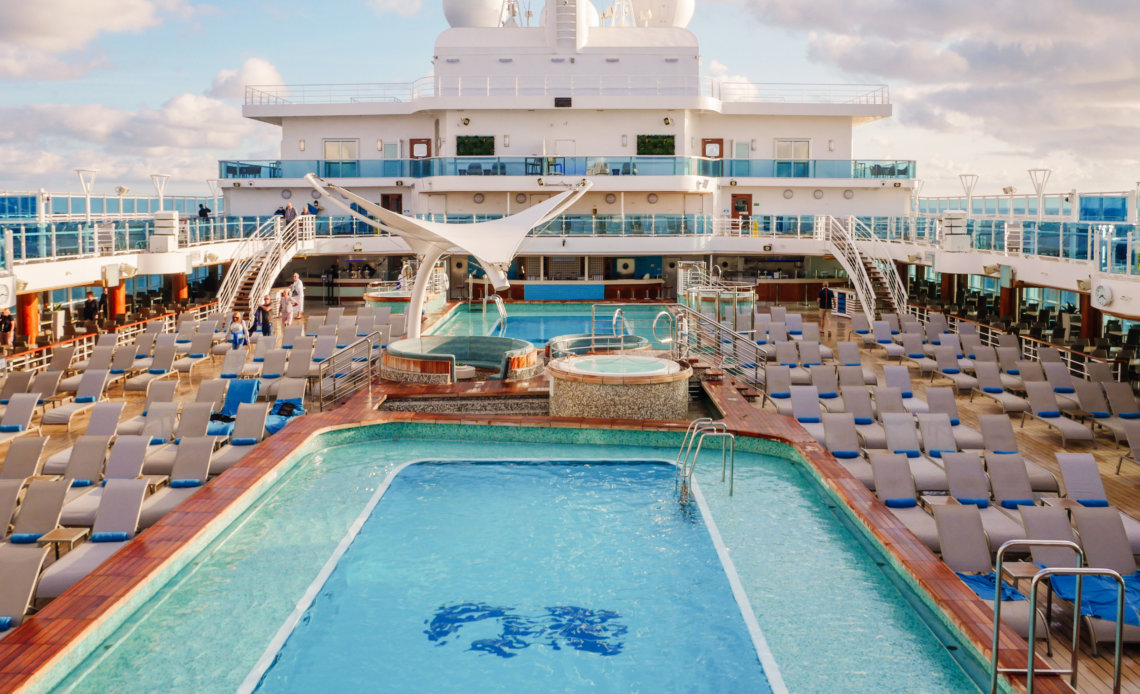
x,y
830,137
369,130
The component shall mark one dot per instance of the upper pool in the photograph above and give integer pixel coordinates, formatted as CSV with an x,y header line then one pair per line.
x,y
834,615
540,322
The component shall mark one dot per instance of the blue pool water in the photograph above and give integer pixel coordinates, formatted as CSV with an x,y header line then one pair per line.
x,y
831,612
539,322
525,577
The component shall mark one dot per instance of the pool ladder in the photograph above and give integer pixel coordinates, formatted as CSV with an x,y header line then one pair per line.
x,y
699,430
501,308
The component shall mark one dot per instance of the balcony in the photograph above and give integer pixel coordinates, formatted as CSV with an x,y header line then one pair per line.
x,y
570,166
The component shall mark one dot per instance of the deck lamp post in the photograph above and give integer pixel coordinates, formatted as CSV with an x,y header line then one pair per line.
x,y
87,182
1040,177
160,181
968,183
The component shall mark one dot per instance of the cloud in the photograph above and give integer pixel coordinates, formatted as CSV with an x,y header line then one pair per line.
x,y
185,137
404,8
231,84
1053,80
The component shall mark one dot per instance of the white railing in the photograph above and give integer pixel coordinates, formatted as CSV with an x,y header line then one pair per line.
x,y
846,251
289,240
566,85
874,248
247,253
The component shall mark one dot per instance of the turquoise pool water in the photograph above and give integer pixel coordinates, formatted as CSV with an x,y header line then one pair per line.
x,y
539,322
832,614
537,576
621,365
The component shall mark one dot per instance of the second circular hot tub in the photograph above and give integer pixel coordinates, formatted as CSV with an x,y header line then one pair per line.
x,y
619,386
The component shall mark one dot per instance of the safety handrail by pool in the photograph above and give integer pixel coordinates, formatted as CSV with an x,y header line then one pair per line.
x,y
698,430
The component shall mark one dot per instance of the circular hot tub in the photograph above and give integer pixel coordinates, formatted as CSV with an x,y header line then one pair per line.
x,y
619,386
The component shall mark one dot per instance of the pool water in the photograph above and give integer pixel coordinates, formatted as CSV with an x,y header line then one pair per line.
x,y
534,577
540,322
621,365
831,614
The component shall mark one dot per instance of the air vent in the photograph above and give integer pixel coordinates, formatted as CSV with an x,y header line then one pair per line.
x,y
563,102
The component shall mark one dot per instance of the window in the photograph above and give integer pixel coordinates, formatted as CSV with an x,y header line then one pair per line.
x,y
341,158
475,146
656,145
792,158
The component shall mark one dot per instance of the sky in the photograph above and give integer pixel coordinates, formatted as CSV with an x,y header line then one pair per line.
x,y
993,87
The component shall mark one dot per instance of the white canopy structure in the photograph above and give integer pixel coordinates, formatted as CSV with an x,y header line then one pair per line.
x,y
494,243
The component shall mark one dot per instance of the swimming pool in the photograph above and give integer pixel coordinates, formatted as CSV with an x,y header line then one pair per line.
x,y
539,572
622,365
832,613
541,321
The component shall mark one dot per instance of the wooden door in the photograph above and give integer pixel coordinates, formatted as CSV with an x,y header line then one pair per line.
x,y
741,210
420,149
712,148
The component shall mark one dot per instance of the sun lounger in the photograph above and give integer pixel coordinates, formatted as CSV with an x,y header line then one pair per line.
x,y
39,512
1010,481
997,431
1090,397
936,434
115,524
902,438
288,406
1046,355
23,459
273,369
160,391
1106,546
193,423
213,391
778,388
915,351
1043,407
253,367
858,402
161,367
862,328
950,367
161,419
10,491
806,410
888,400
197,354
1084,486
894,485
89,393
787,355
300,360
44,385
847,353
17,420
990,386
100,360
1030,372
187,476
124,463
943,400
61,358
239,391
962,536
1122,400
233,363
1064,390
1132,440
85,465
20,568
104,421
249,430
1008,360
826,384
899,377
842,441
885,340
811,335
970,486
16,382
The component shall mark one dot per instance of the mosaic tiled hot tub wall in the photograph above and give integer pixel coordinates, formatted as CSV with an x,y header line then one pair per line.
x,y
659,396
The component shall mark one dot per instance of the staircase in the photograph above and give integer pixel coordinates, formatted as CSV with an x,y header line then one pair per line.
x,y
868,263
260,258
1013,237
884,302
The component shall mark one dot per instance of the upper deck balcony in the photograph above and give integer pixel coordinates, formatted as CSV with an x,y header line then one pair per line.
x,y
570,166
272,102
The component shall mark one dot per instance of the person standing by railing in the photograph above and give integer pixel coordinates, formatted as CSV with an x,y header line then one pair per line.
x,y
286,307
297,290
7,323
262,318
826,297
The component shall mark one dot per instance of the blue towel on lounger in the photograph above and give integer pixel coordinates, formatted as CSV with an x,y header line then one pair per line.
x,y
1098,596
276,422
983,585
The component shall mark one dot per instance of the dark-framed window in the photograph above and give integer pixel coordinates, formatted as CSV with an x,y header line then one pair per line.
x,y
475,146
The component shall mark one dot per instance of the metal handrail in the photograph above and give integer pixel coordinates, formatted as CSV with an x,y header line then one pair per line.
x,y
347,371
614,323
289,241
656,319
727,451
847,253
882,257
247,252
691,434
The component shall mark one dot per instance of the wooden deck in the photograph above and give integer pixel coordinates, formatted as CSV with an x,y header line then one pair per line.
x,y
29,651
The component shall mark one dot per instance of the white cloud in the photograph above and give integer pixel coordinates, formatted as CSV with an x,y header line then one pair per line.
x,y
404,8
231,84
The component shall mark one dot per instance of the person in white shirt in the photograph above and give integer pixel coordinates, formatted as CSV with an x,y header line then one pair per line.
x,y
298,293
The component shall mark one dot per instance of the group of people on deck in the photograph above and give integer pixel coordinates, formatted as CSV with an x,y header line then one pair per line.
x,y
291,306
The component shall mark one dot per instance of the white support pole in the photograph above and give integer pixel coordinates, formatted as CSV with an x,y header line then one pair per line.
x,y
160,181
87,182
414,320
968,183
1040,177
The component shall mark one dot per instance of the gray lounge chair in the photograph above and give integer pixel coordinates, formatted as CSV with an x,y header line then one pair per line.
x,y
885,340
1122,400
827,385
806,410
124,463
949,367
23,459
997,431
842,441
847,353
937,435
1106,546
899,377
115,525
10,491
990,385
187,475
1084,485
193,422
969,486
233,362
902,438
943,400
787,355
1132,438
915,351
20,568
100,360
1092,401
39,514
862,329
858,402
778,388
104,421
85,465
89,393
894,485
1043,407
298,367
1008,360
1009,481
249,430
161,391
17,420
962,535
161,367
274,367
213,391
889,400
1064,390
